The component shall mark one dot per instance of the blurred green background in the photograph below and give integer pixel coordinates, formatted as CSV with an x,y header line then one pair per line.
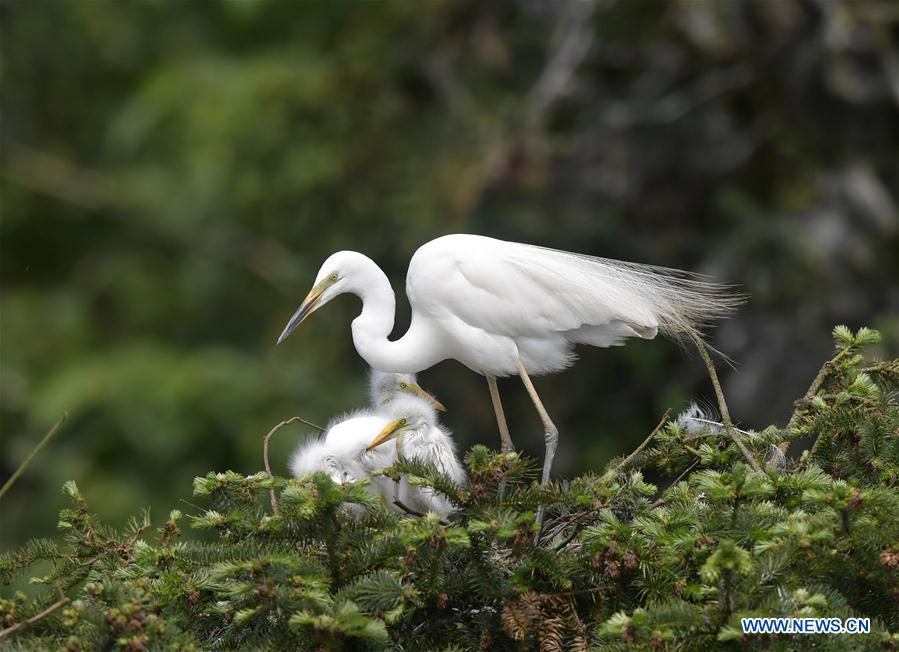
x,y
173,174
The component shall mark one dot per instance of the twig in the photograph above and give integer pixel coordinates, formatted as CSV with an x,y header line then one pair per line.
x,y
307,423
722,405
63,600
661,501
819,379
34,451
829,397
690,449
414,512
630,458
623,464
577,527
881,367
408,510
194,505
268,468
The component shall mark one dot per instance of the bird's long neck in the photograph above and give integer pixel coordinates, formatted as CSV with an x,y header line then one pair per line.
x,y
411,353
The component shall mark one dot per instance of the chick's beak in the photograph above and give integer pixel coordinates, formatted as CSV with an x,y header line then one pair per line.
x,y
426,395
389,432
309,305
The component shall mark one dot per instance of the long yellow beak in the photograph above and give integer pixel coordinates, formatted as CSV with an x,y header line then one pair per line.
x,y
415,389
309,305
389,432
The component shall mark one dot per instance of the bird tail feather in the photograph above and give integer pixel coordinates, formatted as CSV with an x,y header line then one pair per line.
x,y
684,303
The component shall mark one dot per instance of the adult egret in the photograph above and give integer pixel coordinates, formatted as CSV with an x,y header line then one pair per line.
x,y
414,432
503,308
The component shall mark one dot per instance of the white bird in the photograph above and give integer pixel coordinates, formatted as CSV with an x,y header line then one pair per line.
x,y
338,458
503,308
384,387
413,432
341,451
356,445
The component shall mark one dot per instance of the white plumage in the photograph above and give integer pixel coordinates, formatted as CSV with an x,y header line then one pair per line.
x,y
489,303
384,387
504,308
414,432
342,451
696,419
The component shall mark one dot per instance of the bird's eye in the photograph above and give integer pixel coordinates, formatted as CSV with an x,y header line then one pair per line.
x,y
403,386
402,422
334,276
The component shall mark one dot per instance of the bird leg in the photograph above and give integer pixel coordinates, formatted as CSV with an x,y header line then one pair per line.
x,y
550,432
507,445
505,439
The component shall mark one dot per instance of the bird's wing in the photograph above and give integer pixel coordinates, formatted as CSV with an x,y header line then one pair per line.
x,y
522,290
443,455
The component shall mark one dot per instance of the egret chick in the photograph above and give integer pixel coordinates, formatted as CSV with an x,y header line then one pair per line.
x,y
414,432
384,387
340,452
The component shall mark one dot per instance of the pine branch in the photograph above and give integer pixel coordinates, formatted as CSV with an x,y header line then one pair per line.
x,y
339,569
63,600
819,379
412,512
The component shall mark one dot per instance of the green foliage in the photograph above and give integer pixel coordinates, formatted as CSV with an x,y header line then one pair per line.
x,y
618,565
172,174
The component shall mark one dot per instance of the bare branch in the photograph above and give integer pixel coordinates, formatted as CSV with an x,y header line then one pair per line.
x,y
268,468
63,600
34,451
414,512
661,501
630,458
722,405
